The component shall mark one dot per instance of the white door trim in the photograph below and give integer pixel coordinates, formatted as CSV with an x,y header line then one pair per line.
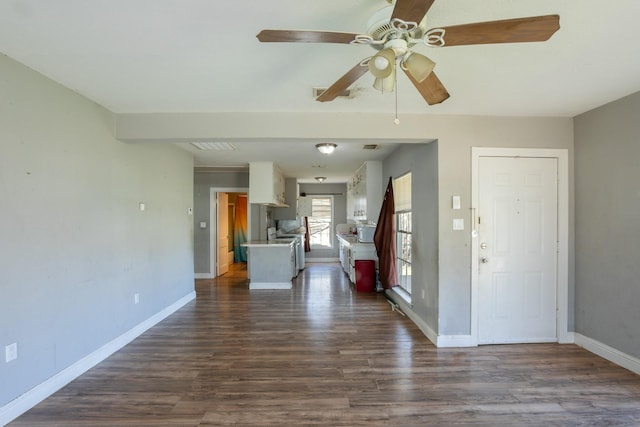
x,y
562,155
213,222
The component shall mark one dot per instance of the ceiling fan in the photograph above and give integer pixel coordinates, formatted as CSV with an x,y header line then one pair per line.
x,y
395,29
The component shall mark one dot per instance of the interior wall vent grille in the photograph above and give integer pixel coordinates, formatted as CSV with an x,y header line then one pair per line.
x,y
370,147
216,146
317,91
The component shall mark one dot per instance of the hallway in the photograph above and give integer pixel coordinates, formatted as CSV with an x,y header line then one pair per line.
x,y
322,354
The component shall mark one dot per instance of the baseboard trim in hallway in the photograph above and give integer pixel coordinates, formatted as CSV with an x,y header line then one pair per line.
x,y
22,404
611,354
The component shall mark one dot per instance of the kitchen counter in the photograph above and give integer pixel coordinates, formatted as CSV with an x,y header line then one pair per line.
x,y
271,263
269,243
351,251
348,239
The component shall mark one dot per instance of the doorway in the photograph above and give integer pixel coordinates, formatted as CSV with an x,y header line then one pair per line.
x,y
229,215
519,245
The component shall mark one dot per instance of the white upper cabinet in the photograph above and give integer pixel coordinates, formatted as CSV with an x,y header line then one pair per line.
x,y
266,184
365,193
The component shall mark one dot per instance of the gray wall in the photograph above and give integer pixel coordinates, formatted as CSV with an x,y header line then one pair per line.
x,y
75,247
422,161
455,135
607,163
339,192
454,178
204,180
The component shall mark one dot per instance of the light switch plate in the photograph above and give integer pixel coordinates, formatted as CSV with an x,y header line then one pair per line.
x,y
458,224
11,352
455,202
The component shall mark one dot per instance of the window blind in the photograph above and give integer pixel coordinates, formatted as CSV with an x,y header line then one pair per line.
x,y
402,192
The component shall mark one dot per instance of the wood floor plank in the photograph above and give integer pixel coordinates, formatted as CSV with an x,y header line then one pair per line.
x,y
322,354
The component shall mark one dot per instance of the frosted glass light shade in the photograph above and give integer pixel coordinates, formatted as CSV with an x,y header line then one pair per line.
x,y
385,84
383,63
419,66
326,148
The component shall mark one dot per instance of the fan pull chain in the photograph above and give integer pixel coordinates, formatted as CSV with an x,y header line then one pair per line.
x,y
396,120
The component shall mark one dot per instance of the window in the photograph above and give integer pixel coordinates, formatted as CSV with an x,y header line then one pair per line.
x,y
320,222
402,198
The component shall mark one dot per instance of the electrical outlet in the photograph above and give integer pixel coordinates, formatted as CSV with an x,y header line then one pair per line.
x,y
11,352
136,298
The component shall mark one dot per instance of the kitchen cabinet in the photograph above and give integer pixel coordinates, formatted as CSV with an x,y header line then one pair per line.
x,y
290,197
365,193
351,251
266,184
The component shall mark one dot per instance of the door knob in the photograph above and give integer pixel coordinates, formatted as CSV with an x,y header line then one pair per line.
x,y
483,245
484,260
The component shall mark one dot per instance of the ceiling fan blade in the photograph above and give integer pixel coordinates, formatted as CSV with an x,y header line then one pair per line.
x,y
305,36
533,29
431,88
343,83
411,10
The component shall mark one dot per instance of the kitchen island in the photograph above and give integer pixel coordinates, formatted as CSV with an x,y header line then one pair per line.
x,y
271,263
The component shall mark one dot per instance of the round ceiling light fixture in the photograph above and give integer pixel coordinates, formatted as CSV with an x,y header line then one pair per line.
x,y
326,147
320,178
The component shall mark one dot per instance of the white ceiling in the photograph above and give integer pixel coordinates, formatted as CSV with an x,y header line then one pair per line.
x,y
142,56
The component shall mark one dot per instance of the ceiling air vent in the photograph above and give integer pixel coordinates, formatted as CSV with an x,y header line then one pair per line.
x,y
215,146
317,91
370,147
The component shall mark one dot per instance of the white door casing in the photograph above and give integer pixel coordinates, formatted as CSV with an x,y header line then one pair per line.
x,y
517,231
222,260
213,229
560,248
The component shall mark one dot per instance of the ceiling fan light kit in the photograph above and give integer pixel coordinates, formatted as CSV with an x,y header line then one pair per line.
x,y
418,65
395,29
387,84
383,63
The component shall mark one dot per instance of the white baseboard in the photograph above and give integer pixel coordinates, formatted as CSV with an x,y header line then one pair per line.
x,y
616,356
455,341
569,338
405,307
203,276
22,404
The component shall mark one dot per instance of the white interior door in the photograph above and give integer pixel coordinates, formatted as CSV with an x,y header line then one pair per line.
x,y
518,235
222,260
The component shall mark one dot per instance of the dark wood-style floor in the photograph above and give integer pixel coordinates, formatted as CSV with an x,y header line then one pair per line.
x,y
324,355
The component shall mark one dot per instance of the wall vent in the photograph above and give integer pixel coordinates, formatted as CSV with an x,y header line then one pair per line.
x,y
370,147
216,146
317,91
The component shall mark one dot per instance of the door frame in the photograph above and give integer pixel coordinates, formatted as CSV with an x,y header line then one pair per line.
x,y
562,272
213,222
